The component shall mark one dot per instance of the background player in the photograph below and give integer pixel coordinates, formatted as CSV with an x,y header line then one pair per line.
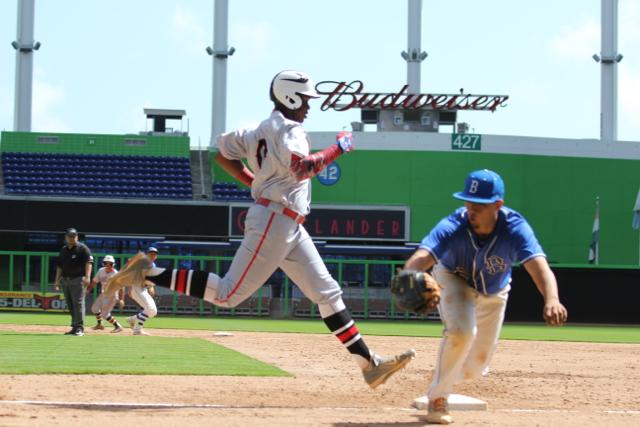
x,y
471,252
140,294
278,152
102,276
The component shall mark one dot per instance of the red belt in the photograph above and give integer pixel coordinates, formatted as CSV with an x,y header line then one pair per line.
x,y
299,219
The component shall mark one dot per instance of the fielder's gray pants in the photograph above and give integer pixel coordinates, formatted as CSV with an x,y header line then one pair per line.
x,y
74,297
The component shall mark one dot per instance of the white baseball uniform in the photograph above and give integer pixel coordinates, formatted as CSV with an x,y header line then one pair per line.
x,y
277,152
475,275
103,275
273,237
140,294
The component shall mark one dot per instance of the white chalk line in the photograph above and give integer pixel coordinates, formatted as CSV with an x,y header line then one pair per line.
x,y
138,405
571,411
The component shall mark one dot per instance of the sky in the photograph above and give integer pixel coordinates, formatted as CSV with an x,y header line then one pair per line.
x,y
102,62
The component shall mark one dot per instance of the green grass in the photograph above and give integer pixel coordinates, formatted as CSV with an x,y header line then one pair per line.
x,y
40,353
581,333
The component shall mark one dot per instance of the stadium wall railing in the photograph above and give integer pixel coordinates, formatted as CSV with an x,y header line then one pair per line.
x,y
27,277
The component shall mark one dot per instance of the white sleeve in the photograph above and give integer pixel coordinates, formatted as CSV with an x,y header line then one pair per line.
x,y
232,145
100,275
296,142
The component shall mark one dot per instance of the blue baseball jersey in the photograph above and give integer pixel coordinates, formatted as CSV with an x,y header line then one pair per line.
x,y
484,263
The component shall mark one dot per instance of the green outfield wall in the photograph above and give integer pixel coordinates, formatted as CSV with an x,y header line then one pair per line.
x,y
132,145
557,194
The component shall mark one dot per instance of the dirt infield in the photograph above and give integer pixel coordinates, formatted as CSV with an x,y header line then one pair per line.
x,y
530,384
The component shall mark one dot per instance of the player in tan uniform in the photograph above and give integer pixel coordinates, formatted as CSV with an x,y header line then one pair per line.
x,y
278,153
142,294
102,276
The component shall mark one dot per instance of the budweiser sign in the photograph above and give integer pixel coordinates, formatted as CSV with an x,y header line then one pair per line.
x,y
342,96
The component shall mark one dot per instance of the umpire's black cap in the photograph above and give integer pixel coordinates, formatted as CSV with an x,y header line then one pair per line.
x,y
71,232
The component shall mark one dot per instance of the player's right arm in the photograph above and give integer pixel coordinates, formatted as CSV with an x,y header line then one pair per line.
x,y
421,260
433,246
94,282
236,169
233,148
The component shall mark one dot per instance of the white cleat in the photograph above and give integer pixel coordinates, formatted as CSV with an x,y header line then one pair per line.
x,y
140,332
380,369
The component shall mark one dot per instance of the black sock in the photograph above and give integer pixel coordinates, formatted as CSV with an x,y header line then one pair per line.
x,y
188,282
345,329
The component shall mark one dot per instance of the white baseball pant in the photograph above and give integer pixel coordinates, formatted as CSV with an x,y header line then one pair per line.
x,y
273,240
472,324
141,296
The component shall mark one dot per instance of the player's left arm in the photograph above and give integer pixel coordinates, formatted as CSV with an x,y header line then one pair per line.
x,y
309,166
554,313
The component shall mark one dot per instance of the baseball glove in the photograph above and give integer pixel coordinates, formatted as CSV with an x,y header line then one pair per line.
x,y
415,291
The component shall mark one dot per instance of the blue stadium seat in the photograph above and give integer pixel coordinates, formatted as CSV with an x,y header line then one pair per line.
x,y
99,175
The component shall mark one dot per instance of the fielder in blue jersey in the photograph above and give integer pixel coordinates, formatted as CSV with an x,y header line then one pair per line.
x,y
471,252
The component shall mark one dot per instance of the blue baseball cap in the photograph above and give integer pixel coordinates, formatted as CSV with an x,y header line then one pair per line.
x,y
482,186
152,249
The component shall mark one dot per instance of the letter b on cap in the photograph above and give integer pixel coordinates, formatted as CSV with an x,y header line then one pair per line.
x,y
473,186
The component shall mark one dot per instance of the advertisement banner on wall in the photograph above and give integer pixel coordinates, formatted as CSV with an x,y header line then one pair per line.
x,y
362,223
32,301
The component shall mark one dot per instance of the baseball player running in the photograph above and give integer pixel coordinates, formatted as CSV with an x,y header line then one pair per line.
x,y
281,166
140,294
102,276
471,252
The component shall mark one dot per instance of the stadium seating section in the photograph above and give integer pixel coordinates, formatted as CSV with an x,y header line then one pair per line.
x,y
229,191
110,176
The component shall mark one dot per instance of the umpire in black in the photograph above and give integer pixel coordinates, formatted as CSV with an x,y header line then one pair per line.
x,y
74,273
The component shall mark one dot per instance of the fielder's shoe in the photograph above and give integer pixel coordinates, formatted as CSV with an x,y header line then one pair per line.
x,y
439,411
140,331
116,330
132,321
98,327
72,331
79,332
380,369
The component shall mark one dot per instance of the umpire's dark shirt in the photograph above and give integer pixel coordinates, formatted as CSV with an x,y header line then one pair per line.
x,y
72,261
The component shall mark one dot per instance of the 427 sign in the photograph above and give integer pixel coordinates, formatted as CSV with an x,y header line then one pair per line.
x,y
466,142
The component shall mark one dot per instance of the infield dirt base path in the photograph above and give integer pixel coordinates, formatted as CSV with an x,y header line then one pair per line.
x,y
530,384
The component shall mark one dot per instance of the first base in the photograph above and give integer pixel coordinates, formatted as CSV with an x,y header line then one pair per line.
x,y
222,334
457,402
